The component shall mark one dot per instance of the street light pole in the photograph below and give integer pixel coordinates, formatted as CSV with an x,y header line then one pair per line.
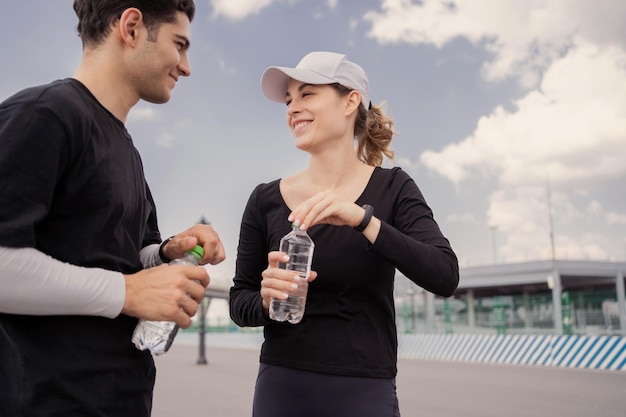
x,y
204,306
201,333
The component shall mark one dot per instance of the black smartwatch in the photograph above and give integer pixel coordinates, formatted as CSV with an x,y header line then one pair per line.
x,y
164,258
369,210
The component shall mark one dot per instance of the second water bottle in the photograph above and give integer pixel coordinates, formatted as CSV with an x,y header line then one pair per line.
x,y
299,246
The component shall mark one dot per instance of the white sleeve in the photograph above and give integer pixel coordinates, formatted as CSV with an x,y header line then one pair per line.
x,y
149,256
33,283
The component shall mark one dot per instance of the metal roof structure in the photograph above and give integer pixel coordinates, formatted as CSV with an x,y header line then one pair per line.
x,y
535,276
545,276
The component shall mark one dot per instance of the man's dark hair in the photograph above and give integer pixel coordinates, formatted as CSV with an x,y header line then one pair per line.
x,y
95,17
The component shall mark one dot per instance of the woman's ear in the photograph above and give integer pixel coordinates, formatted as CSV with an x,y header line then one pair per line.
x,y
130,22
354,99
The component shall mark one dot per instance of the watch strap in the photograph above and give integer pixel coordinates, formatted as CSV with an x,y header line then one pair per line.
x,y
367,217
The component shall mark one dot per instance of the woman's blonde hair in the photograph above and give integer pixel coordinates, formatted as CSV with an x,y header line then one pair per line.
x,y
373,131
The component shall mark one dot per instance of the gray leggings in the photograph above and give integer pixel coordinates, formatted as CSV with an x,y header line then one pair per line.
x,y
286,392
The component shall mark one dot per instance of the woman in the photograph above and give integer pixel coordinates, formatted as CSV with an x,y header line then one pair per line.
x,y
366,221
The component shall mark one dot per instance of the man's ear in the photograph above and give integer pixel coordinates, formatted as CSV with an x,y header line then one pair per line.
x,y
130,23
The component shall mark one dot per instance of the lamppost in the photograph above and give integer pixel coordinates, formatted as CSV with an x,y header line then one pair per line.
x,y
201,333
202,323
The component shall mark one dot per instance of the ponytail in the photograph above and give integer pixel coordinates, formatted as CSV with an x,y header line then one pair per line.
x,y
373,131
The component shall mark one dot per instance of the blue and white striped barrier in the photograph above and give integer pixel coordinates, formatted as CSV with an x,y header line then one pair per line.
x,y
592,352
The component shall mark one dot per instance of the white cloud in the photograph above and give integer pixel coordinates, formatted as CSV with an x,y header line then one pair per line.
x,y
573,129
461,218
240,9
532,220
523,36
405,163
166,140
353,23
594,208
616,218
142,113
570,132
176,133
225,68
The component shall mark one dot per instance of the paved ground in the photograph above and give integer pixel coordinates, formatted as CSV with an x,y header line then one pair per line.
x,y
224,387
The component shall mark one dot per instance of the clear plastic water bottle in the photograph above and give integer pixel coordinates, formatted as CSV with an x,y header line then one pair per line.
x,y
299,246
158,336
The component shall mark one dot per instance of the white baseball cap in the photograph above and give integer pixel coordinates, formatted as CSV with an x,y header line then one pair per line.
x,y
316,68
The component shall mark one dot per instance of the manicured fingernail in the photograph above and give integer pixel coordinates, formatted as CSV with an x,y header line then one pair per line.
x,y
284,296
294,286
290,218
297,222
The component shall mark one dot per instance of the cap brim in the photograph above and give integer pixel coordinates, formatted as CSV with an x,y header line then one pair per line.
x,y
275,81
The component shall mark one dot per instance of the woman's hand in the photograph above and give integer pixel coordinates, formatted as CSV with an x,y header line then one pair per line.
x,y
326,207
277,281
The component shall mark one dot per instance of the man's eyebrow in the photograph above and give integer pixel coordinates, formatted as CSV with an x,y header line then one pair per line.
x,y
184,39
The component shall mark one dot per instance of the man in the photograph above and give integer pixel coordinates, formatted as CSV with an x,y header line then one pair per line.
x,y
80,259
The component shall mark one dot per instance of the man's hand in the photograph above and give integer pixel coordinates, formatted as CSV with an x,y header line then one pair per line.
x,y
166,293
199,234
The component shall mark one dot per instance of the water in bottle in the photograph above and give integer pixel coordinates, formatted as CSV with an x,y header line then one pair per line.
x,y
299,246
158,336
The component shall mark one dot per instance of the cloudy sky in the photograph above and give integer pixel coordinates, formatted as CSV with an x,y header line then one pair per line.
x,y
511,114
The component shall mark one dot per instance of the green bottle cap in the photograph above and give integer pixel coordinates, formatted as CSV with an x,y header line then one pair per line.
x,y
197,251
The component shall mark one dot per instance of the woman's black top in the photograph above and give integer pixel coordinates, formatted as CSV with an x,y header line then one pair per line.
x,y
349,323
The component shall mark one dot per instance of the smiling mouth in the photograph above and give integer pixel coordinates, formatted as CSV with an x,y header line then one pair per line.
x,y
298,125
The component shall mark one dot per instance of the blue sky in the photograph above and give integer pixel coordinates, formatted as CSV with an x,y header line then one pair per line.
x,y
492,100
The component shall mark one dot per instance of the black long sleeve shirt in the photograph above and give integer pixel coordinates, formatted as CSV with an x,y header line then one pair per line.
x,y
349,323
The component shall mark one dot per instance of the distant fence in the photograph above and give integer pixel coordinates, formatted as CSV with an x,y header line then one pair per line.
x,y
607,352
571,351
